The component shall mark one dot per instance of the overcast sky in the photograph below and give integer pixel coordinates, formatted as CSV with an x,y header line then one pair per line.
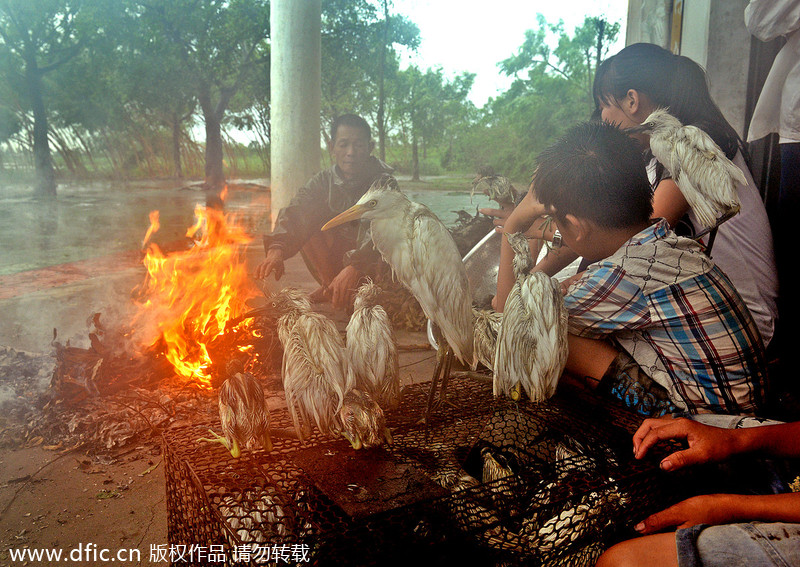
x,y
475,35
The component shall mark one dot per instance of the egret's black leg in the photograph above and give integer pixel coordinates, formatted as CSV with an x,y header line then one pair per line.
x,y
441,355
448,363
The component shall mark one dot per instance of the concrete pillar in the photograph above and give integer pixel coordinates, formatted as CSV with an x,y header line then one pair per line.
x,y
295,87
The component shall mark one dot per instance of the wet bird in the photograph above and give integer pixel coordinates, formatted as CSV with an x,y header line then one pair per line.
x,y
315,372
486,327
704,174
372,348
424,257
243,414
496,187
362,420
532,343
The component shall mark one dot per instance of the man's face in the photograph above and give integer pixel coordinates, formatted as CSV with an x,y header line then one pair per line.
x,y
350,150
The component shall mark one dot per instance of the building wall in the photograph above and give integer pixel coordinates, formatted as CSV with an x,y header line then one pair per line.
x,y
712,32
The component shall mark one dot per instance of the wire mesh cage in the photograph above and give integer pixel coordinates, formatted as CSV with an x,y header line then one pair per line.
x,y
488,481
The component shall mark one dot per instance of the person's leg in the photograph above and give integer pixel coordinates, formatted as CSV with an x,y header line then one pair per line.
x,y
323,255
599,366
657,550
588,359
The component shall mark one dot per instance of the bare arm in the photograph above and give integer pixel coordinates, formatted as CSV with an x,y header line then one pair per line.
x,y
718,509
521,219
669,202
714,444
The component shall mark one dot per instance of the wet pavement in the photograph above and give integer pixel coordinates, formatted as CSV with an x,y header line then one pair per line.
x,y
63,261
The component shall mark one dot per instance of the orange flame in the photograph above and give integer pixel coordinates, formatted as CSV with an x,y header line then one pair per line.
x,y
188,296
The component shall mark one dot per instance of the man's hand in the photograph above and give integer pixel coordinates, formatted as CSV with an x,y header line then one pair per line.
x,y
713,509
343,287
706,443
273,263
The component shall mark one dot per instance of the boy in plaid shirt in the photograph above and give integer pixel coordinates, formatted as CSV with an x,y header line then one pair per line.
x,y
652,320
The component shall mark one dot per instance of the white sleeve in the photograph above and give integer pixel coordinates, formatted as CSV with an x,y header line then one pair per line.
x,y
769,19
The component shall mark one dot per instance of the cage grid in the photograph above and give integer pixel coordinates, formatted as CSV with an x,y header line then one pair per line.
x,y
489,481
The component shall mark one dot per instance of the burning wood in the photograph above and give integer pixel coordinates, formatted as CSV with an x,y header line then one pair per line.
x,y
143,372
188,297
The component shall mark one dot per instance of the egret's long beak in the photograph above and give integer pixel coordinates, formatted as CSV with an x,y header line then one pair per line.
x,y
640,129
352,213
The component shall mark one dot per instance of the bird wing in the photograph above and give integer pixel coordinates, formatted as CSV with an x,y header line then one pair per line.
x,y
705,176
549,317
486,328
425,259
316,374
370,344
532,343
516,345
385,361
438,279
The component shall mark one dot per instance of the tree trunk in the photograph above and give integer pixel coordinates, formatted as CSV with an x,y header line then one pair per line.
x,y
177,171
381,87
414,157
214,174
43,161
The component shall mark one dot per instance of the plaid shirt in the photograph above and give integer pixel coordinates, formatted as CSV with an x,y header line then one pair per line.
x,y
662,300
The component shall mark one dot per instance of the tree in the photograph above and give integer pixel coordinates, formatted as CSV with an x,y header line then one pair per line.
x,y
40,37
425,106
358,49
220,42
551,91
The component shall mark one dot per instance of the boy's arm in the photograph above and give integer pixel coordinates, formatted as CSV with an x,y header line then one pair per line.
x,y
520,220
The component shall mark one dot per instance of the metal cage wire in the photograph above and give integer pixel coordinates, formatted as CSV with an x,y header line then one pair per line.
x,y
548,483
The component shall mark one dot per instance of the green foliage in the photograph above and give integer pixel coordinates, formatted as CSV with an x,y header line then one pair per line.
x,y
126,83
352,36
552,90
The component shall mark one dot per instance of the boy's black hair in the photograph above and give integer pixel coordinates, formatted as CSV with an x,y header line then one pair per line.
x,y
350,120
596,172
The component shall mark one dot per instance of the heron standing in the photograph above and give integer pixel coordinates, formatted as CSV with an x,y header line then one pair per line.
x,y
424,257
532,342
243,414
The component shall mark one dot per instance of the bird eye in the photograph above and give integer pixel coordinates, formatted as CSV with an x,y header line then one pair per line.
x,y
373,203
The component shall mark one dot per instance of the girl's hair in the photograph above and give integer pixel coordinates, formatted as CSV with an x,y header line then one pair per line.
x,y
670,81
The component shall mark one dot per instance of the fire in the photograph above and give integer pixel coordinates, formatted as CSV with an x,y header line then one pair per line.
x,y
188,296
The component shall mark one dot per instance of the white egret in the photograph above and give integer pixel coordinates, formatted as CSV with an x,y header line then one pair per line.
x,y
243,414
424,257
372,348
316,375
487,325
532,343
702,171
